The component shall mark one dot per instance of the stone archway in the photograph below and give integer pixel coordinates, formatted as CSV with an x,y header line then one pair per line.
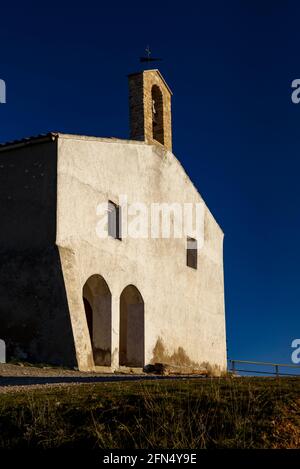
x,y
97,304
132,329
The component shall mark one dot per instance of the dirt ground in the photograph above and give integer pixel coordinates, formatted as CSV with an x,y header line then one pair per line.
x,y
8,369
20,377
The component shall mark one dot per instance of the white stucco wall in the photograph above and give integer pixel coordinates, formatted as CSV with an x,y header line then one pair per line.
x,y
184,308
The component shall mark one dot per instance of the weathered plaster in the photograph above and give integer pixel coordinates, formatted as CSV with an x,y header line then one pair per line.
x,y
49,193
183,306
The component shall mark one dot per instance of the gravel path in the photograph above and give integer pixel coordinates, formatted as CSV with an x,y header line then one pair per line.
x,y
19,378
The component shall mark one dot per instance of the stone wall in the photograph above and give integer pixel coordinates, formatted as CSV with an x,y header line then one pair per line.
x,y
183,307
140,105
34,315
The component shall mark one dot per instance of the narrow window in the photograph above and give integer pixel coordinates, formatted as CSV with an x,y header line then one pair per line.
x,y
114,220
191,253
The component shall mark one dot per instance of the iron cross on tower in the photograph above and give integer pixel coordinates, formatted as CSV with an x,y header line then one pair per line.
x,y
149,58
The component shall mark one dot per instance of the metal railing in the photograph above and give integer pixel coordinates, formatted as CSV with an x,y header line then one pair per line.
x,y
276,366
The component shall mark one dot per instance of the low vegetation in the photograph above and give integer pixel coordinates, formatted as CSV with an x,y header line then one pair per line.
x,y
195,413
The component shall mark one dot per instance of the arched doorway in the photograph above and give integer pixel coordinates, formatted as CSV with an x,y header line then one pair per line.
x,y
131,347
97,304
157,114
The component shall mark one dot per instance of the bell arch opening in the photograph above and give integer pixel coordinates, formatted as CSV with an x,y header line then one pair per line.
x,y
157,114
97,304
132,328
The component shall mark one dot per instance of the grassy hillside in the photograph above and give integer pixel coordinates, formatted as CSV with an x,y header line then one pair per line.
x,y
213,413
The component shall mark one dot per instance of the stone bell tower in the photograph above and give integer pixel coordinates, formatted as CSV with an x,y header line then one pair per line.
x,y
150,108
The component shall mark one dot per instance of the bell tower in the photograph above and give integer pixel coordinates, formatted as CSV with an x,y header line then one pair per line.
x,y
150,108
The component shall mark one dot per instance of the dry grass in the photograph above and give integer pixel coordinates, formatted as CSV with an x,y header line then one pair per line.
x,y
203,413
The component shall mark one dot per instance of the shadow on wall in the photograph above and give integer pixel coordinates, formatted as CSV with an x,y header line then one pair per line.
x,y
34,315
97,305
132,329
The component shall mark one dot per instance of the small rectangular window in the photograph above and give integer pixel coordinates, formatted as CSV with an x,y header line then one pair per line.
x,y
114,220
192,253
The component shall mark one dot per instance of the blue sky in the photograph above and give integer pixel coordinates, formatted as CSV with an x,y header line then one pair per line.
x,y
235,129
